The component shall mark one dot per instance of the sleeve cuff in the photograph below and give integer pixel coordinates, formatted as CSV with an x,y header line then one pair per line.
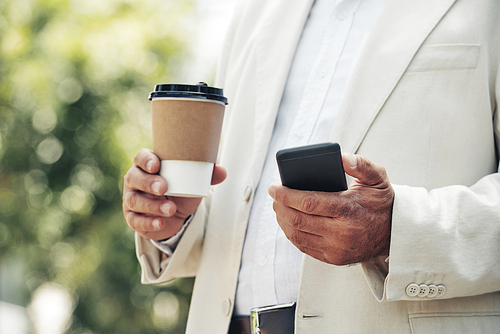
x,y
168,246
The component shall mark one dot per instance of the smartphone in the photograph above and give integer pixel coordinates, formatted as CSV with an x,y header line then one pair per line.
x,y
315,167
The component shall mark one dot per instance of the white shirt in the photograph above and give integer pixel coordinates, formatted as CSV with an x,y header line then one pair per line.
x,y
330,45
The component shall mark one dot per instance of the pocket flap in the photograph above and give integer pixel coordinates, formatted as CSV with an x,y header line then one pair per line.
x,y
445,58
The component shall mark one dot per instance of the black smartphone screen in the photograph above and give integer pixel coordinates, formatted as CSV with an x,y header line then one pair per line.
x,y
315,167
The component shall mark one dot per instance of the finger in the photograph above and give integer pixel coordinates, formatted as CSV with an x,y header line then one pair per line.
x,y
338,258
335,256
218,175
141,203
311,202
317,232
300,221
303,240
153,227
141,223
367,172
137,179
146,160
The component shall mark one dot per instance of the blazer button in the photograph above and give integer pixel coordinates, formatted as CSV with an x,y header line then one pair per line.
x,y
412,290
226,307
247,194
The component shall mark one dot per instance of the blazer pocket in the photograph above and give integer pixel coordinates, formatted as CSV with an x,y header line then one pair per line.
x,y
448,323
445,58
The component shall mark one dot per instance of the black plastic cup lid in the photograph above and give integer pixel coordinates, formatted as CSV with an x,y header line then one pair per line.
x,y
199,91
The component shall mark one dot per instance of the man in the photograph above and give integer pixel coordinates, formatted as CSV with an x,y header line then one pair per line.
x,y
419,96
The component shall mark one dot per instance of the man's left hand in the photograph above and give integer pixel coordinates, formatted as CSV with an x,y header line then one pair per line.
x,y
340,228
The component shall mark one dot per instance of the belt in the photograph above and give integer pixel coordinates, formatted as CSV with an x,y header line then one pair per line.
x,y
276,319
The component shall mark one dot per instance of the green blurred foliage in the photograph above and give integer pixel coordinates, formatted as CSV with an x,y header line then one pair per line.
x,y
74,81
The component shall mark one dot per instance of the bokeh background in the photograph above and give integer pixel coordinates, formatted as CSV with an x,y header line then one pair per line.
x,y
74,81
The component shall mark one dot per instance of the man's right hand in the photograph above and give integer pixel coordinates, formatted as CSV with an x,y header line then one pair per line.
x,y
146,210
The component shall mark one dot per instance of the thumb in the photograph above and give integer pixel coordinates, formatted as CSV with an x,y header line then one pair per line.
x,y
362,169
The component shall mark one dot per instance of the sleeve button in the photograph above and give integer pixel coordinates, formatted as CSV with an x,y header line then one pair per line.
x,y
412,290
433,290
441,290
423,290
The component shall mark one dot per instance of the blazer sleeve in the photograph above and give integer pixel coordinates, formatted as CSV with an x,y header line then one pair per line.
x,y
156,267
447,236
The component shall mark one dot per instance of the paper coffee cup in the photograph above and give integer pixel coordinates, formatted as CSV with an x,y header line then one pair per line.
x,y
186,124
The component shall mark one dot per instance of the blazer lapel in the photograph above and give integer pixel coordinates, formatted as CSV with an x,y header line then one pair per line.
x,y
400,31
277,40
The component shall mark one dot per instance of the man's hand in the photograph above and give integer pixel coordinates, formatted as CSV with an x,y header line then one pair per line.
x,y
146,210
340,228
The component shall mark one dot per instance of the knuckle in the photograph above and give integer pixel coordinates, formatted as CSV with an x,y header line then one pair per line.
x,y
131,199
141,156
296,238
130,219
126,178
309,203
125,208
275,206
137,158
144,151
382,175
383,172
362,163
296,220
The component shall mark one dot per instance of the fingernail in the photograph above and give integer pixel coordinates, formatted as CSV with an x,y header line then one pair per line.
x,y
353,162
272,192
165,208
149,166
156,187
157,224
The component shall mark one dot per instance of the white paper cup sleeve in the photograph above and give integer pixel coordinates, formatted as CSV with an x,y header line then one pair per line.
x,y
187,178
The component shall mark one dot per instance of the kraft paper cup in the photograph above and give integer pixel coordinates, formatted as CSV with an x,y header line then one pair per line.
x,y
186,124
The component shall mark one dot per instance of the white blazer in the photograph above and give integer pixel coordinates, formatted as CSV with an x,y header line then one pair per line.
x,y
422,102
